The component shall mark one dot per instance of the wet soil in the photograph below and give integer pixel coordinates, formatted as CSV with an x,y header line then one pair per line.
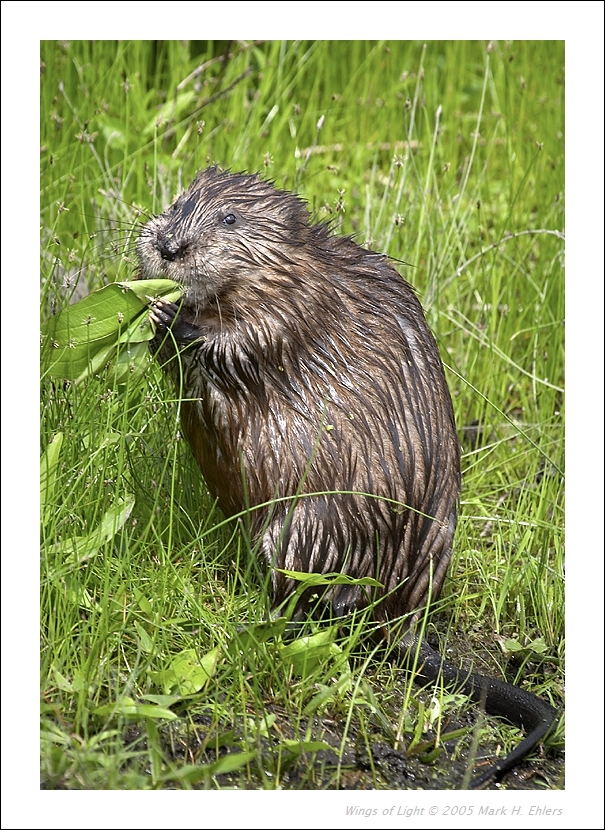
x,y
363,760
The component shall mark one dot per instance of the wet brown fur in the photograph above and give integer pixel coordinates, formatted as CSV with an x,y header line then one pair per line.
x,y
315,370
305,365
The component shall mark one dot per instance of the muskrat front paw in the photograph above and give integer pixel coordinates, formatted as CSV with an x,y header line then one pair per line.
x,y
163,312
166,316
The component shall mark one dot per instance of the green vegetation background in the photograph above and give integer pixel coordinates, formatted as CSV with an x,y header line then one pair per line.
x,y
449,157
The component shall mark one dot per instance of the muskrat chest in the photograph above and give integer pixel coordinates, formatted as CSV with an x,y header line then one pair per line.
x,y
306,367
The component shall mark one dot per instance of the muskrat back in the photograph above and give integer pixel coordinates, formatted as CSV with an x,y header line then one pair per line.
x,y
309,368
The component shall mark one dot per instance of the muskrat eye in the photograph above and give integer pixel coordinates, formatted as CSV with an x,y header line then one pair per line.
x,y
229,219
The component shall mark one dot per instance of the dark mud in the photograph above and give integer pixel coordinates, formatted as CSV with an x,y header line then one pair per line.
x,y
365,762
365,759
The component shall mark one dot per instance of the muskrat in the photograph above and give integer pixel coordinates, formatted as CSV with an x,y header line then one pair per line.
x,y
313,396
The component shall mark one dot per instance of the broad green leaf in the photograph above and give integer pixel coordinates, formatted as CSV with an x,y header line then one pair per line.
x,y
84,337
343,685
252,635
128,708
114,519
148,290
131,360
144,603
307,653
62,682
188,673
144,638
297,748
78,549
53,737
231,762
313,580
77,594
260,728
194,774
537,646
108,310
189,773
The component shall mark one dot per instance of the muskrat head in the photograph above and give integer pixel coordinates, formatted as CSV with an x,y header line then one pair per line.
x,y
225,232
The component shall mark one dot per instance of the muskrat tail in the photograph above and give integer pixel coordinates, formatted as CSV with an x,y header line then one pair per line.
x,y
519,707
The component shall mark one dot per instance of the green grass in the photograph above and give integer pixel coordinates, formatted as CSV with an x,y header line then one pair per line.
x,y
448,157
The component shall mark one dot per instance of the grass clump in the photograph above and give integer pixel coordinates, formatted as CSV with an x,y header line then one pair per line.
x,y
448,156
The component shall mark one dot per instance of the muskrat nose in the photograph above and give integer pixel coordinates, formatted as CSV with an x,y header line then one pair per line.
x,y
171,248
